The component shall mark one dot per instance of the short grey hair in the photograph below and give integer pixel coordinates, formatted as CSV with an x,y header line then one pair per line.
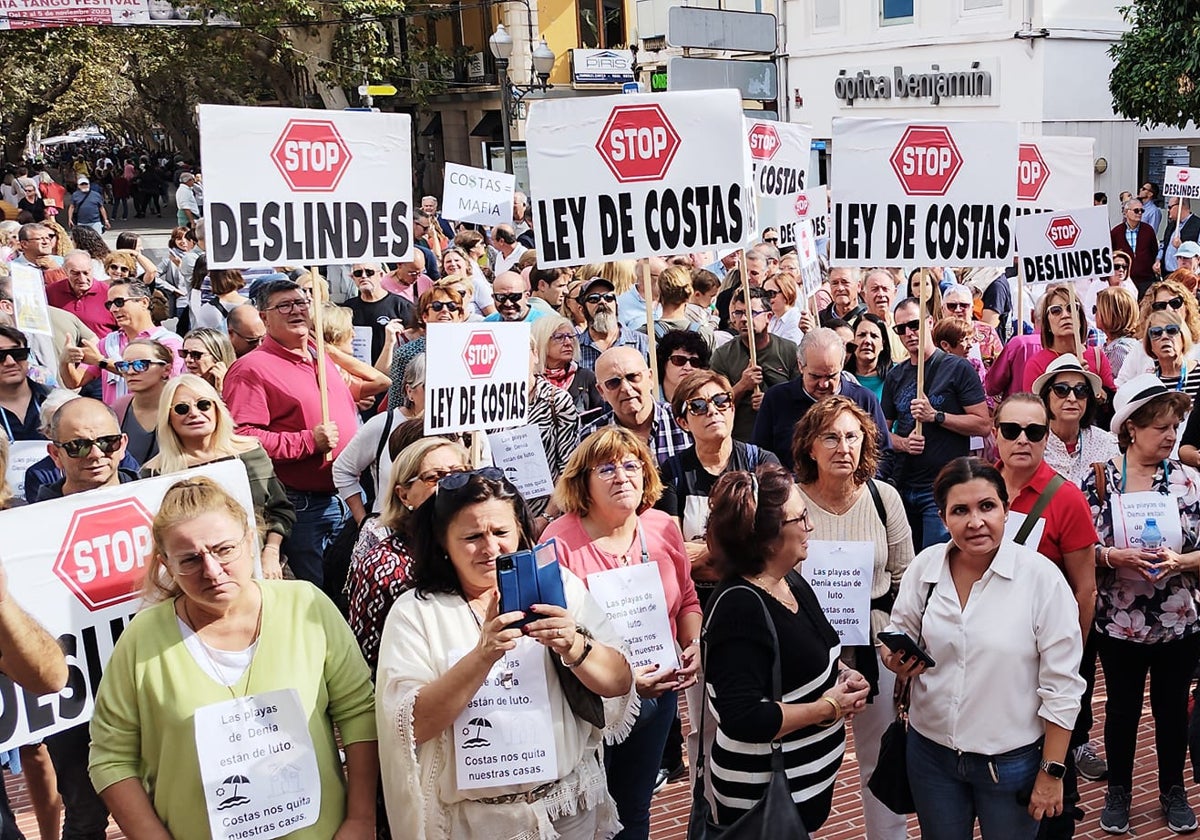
x,y
957,289
1125,204
55,400
822,338
414,377
78,254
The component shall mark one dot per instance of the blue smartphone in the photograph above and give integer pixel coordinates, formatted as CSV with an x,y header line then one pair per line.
x,y
530,577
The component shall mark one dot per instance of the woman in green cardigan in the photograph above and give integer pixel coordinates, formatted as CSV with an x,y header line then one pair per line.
x,y
215,716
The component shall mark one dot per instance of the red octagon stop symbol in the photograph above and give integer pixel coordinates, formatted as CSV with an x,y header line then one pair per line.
x,y
311,155
801,206
764,142
1062,232
638,143
481,355
926,160
1183,176
103,556
1032,172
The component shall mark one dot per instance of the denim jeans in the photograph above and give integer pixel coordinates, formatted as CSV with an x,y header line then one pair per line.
x,y
318,518
952,789
927,527
632,765
85,815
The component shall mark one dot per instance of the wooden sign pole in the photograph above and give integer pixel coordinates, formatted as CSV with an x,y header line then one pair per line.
x,y
648,294
318,320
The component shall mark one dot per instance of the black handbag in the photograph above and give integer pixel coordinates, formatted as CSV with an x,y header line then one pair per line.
x,y
773,816
889,781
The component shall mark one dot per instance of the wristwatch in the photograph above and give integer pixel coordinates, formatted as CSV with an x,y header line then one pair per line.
x,y
939,418
1053,769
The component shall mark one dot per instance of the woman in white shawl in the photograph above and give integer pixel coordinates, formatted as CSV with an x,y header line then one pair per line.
x,y
478,738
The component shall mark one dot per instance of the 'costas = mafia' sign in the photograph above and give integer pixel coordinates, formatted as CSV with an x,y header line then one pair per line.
x,y
929,194
285,186
622,177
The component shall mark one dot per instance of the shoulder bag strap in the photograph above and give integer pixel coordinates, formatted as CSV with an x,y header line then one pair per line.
x,y
907,690
878,500
1101,481
1039,507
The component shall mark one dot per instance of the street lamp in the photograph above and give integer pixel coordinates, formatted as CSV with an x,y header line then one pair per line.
x,y
511,95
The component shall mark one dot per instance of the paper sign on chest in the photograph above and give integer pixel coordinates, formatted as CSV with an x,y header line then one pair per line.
x,y
623,177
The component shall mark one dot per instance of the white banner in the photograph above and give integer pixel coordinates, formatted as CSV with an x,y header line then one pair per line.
x,y
813,206
780,154
628,176
287,186
479,196
1181,182
522,455
38,14
810,263
1068,245
930,194
76,565
1054,173
482,378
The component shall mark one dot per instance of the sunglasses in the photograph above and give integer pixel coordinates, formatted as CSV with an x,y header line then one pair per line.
x,y
1034,432
1079,389
363,272
1136,212
511,297
768,294
1056,310
1156,333
681,359
901,329
956,307
699,406
136,366
774,240
119,303
117,268
82,447
251,342
183,409
613,383
1160,305
458,480
1117,266
596,297
17,354
195,355
448,305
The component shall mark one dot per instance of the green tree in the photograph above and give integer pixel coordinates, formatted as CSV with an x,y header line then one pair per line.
x,y
1157,63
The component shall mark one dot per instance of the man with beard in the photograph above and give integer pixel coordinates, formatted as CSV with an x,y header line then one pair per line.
x,y
511,294
844,287
626,385
598,298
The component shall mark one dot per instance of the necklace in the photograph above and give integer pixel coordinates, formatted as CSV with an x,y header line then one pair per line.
x,y
187,616
789,602
828,505
507,677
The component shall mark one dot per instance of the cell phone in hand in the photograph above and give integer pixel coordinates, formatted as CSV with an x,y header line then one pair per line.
x,y
902,643
530,577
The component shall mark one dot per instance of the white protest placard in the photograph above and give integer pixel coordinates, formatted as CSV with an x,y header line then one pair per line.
x,y
810,262
628,176
522,456
938,193
840,574
1064,246
288,186
479,196
812,206
1054,173
482,377
29,299
22,454
634,600
1181,182
360,345
1131,510
76,565
780,154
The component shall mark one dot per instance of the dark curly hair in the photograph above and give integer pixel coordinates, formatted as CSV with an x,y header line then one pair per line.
x,y
688,340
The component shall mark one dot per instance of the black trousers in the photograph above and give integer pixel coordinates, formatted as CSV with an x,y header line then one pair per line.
x,y
85,815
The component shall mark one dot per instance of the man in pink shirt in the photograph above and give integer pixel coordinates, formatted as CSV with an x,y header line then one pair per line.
x,y
82,294
408,279
273,396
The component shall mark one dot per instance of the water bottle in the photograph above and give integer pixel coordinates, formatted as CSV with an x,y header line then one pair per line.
x,y
1152,538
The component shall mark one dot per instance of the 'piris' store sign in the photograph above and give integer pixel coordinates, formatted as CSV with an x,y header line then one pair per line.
x,y
970,86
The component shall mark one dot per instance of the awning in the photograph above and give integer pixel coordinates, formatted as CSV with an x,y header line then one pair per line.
x,y
434,129
490,127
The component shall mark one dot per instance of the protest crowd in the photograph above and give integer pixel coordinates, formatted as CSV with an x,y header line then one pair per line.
x,y
795,506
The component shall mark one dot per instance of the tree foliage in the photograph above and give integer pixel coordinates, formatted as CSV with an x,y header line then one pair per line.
x,y
1156,73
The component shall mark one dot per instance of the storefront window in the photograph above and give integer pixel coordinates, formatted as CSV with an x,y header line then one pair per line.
x,y
895,11
601,24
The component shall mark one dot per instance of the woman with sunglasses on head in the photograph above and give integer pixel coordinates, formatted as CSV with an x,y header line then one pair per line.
x,y
556,344
680,353
208,354
1058,337
194,428
146,366
782,291
211,635
611,537
1117,317
1071,396
438,305
1148,588
451,663
871,357
1163,296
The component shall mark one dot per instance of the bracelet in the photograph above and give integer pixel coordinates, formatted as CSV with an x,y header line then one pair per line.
x,y
1105,555
837,710
695,641
587,648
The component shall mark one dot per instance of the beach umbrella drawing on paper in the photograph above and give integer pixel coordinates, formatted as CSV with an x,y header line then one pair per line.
x,y
234,800
480,723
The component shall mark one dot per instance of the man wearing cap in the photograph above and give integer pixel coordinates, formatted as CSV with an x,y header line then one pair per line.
x,y
598,298
87,207
1182,233
187,209
511,295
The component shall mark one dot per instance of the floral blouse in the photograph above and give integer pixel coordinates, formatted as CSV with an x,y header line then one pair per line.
x,y
1127,605
1095,445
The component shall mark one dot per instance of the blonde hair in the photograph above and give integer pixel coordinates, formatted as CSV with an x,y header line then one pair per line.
x,y
337,323
121,258
171,457
788,287
405,468
540,332
1164,317
621,273
216,344
183,502
571,493
6,492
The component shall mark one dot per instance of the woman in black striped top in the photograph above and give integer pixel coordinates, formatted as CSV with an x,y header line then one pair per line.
x,y
758,533
1168,341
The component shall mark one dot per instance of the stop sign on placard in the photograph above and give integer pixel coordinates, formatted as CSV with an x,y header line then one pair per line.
x,y
103,556
926,160
801,205
1032,172
1062,232
311,155
764,141
481,354
1183,176
638,143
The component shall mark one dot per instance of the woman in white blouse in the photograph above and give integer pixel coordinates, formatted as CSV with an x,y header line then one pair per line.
x,y
990,722
782,291
1071,396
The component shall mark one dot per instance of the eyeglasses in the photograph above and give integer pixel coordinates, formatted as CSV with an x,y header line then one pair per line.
x,y
17,354
832,440
82,447
363,272
224,553
608,472
290,306
1056,310
448,305
700,405
136,365
802,519
1160,305
682,360
119,303
962,306
512,297
1170,330
1034,432
741,313
1079,389
614,382
901,329
432,477
253,341
183,409
194,355
562,337
596,297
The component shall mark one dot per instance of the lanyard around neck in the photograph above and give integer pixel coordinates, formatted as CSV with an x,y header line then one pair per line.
x,y
1124,471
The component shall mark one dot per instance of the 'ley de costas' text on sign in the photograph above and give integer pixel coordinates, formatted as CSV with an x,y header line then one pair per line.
x,y
622,177
482,382
1066,245
935,194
